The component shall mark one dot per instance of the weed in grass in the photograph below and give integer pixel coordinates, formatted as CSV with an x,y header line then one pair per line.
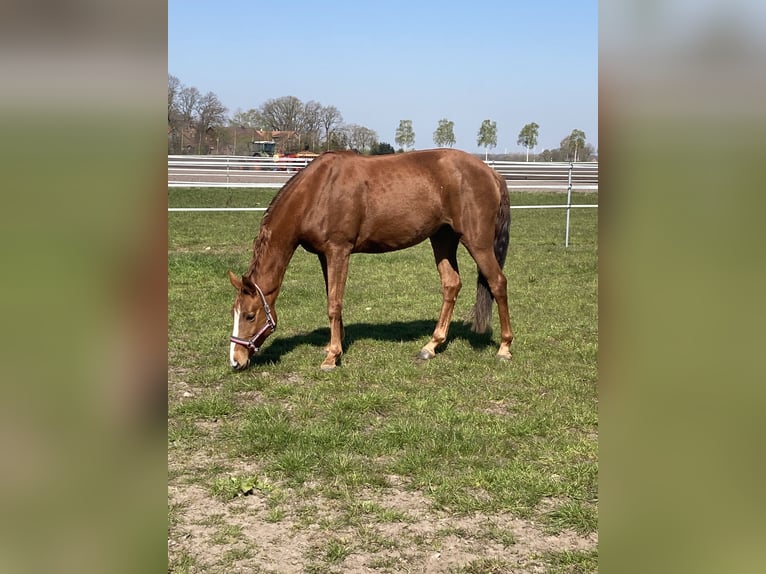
x,y
571,562
227,534
230,487
234,555
182,563
183,432
275,515
574,515
484,566
497,534
336,550
212,405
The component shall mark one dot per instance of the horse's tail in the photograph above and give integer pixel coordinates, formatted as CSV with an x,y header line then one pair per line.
x,y
482,310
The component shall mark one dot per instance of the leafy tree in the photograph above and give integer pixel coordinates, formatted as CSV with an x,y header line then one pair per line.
x,y
487,136
572,144
528,137
405,136
382,148
546,155
445,133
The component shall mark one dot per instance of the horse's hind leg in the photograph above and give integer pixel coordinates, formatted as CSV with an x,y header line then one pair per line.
x,y
444,245
498,285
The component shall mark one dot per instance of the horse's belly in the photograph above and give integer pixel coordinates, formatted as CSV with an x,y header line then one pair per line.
x,y
392,234
382,245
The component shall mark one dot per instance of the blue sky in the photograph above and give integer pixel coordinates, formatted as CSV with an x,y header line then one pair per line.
x,y
380,62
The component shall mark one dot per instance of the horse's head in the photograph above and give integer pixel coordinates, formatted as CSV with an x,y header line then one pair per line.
x,y
254,321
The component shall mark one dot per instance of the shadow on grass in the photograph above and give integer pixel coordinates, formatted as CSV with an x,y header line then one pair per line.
x,y
385,332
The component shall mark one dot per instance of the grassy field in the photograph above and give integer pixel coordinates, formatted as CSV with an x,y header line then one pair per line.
x,y
463,464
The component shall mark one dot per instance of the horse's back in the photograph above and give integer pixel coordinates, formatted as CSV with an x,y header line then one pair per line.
x,y
389,202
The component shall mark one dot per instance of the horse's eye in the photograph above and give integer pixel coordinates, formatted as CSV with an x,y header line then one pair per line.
x,y
250,316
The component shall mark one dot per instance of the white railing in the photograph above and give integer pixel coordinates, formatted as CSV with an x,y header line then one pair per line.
x,y
244,171
548,175
265,172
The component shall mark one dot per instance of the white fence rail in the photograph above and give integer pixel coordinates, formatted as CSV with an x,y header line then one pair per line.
x,y
244,171
225,171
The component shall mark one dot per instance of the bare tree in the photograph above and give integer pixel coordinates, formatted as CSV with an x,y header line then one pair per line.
x,y
175,124
331,119
282,114
174,87
249,119
312,123
188,99
361,138
210,115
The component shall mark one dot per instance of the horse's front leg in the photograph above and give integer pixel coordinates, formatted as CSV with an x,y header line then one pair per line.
x,y
335,269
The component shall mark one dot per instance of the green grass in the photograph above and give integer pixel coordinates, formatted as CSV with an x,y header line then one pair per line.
x,y
468,433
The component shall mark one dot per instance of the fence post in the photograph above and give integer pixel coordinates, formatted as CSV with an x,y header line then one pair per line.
x,y
569,203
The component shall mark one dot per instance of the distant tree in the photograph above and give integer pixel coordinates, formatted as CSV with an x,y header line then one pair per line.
x,y
282,114
174,88
210,115
487,136
249,119
362,138
572,144
330,118
528,137
339,138
175,122
405,136
445,133
188,99
382,148
311,124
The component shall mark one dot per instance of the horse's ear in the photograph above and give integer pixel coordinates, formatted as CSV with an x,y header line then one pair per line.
x,y
235,281
248,287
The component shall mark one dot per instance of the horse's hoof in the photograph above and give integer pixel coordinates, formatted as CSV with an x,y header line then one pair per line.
x,y
327,367
503,357
425,355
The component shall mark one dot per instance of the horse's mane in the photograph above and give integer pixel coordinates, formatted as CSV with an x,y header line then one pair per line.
x,y
264,235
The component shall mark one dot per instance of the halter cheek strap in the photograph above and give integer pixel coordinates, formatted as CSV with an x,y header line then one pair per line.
x,y
255,342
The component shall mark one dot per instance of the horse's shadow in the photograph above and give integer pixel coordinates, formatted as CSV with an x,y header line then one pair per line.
x,y
398,331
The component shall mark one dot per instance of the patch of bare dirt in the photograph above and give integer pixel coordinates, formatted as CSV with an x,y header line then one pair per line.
x,y
401,532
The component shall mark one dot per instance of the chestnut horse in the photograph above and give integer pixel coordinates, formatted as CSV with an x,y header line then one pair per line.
x,y
345,203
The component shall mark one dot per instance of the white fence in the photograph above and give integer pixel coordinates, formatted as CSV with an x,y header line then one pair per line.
x,y
259,172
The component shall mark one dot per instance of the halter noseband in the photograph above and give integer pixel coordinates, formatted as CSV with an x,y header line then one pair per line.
x,y
254,343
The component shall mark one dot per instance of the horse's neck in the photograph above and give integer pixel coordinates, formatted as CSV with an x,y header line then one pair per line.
x,y
271,255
